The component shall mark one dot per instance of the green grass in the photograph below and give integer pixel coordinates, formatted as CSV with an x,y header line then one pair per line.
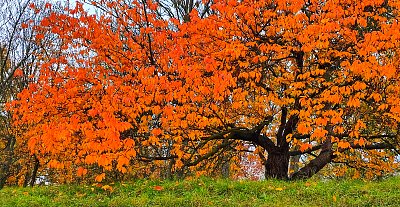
x,y
211,192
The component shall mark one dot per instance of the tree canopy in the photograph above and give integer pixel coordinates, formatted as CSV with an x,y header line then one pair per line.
x,y
133,92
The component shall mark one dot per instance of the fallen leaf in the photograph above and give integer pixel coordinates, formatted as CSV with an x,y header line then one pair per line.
x,y
80,194
158,188
107,187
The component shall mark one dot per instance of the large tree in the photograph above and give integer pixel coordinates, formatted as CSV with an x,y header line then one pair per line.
x,y
315,79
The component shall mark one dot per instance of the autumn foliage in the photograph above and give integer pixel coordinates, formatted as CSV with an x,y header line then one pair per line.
x,y
131,94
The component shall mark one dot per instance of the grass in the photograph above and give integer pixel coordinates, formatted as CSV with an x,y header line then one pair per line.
x,y
211,192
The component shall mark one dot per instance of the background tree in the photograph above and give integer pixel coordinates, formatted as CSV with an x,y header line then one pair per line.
x,y
16,56
316,80
20,46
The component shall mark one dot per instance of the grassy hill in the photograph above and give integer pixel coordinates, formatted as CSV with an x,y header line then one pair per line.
x,y
211,192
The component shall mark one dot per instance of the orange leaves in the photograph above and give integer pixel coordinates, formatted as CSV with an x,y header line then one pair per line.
x,y
362,22
105,160
81,171
40,36
122,126
353,102
128,143
122,163
319,133
359,86
252,76
93,112
55,164
24,25
100,177
118,88
303,128
243,64
376,97
354,134
289,138
47,6
32,144
360,125
156,132
305,147
322,121
90,159
153,140
343,145
360,142
45,22
18,73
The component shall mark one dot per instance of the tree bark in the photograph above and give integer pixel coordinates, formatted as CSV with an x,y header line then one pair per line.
x,y
277,166
35,170
4,170
315,165
225,168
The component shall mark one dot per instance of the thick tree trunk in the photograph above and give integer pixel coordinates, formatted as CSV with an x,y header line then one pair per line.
x,y
315,165
277,166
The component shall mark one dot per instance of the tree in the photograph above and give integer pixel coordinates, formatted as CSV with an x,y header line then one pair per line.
x,y
16,65
18,68
315,79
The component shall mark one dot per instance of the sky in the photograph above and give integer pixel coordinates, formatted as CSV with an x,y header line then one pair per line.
x,y
87,7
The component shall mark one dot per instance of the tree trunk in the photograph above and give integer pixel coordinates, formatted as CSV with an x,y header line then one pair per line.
x,y
169,169
35,170
27,178
9,154
277,166
225,168
315,165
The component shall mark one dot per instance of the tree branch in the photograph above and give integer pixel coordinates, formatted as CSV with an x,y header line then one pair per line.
x,y
209,154
150,158
299,152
